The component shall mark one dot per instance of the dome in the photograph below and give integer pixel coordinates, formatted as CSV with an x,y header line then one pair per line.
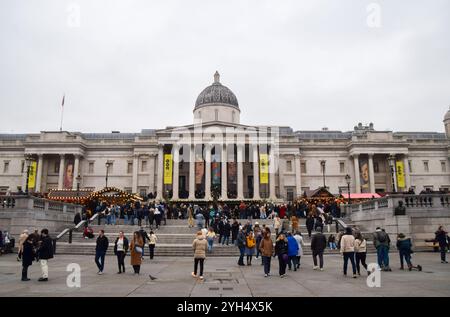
x,y
217,93
447,116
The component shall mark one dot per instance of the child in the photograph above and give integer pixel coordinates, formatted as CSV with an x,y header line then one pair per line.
x,y
404,247
332,242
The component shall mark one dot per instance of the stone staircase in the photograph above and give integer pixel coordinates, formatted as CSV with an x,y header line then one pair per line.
x,y
174,239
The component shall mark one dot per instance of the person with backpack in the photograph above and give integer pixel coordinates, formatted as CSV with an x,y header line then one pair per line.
x,y
45,253
120,250
382,242
348,250
250,247
318,245
234,231
404,247
226,232
281,250
309,224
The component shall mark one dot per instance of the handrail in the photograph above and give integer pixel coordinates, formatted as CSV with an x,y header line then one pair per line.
x,y
77,226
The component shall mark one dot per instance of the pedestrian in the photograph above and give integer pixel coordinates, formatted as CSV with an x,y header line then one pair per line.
x,y
332,242
250,247
144,237
259,236
292,251
27,257
210,236
348,250
294,221
226,233
241,241
404,247
199,246
360,252
152,238
158,216
442,239
45,252
285,225
120,250
382,242
234,231
309,224
277,224
23,237
298,237
267,251
190,217
318,245
136,247
151,217
281,250
100,251
200,219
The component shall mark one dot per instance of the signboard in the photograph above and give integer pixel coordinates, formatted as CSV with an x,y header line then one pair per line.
x,y
264,169
68,175
400,174
364,175
199,172
32,175
168,163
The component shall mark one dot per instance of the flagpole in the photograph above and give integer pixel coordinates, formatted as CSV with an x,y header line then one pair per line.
x,y
62,113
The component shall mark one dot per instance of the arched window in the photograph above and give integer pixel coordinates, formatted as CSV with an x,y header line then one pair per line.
x,y
216,114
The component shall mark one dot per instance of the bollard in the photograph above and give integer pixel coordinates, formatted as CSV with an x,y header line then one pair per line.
x,y
70,236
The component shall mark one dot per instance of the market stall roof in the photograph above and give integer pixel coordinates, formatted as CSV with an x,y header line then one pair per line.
x,y
82,195
320,192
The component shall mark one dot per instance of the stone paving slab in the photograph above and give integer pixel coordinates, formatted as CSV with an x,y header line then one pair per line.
x,y
223,278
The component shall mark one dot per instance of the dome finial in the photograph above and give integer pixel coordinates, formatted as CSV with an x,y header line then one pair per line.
x,y
217,77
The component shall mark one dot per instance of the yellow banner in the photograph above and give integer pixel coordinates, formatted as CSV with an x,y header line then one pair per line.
x,y
168,163
264,169
400,175
32,175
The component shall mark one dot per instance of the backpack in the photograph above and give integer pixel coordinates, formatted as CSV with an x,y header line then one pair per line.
x,y
381,237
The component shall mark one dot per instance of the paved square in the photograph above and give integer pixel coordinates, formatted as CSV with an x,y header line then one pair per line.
x,y
223,278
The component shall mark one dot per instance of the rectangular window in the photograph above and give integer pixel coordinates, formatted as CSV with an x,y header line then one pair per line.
x,y
410,166
143,192
110,168
303,167
128,190
426,166
130,167
91,168
144,166
376,167
6,167
443,167
56,169
343,189
342,167
288,166
22,168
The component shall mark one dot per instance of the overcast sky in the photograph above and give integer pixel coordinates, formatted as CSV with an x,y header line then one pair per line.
x,y
131,65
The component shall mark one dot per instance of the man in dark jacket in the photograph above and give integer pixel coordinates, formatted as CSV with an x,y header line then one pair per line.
x,y
381,241
45,252
442,239
241,242
318,245
27,257
234,230
100,251
226,232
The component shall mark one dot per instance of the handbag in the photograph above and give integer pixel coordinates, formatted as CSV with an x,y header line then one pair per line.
x,y
138,249
285,258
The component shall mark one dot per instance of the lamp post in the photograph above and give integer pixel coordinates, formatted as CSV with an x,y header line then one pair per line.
x,y
28,159
107,171
78,179
392,160
323,164
348,179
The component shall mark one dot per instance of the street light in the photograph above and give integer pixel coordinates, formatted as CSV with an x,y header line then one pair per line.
x,y
107,171
78,179
392,161
323,163
348,179
28,159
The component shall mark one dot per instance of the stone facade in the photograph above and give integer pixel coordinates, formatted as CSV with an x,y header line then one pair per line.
x,y
135,160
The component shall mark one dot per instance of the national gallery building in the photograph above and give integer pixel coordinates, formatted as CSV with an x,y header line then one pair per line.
x,y
217,155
